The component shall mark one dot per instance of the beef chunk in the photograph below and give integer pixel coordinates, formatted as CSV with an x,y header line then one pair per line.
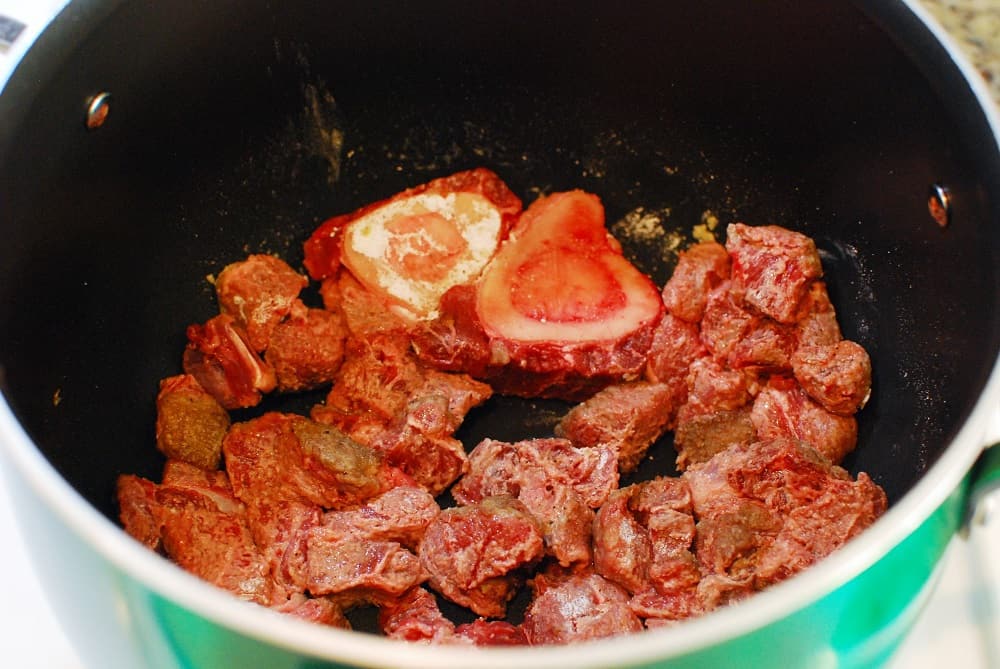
x,y
258,292
306,349
357,568
627,418
838,376
400,514
817,321
699,269
771,509
220,356
284,457
577,607
783,409
622,547
726,321
385,398
204,531
415,616
557,482
772,268
138,510
190,423
716,413
492,633
676,344
471,552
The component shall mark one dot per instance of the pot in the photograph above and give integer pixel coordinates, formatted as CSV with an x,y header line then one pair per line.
x,y
146,145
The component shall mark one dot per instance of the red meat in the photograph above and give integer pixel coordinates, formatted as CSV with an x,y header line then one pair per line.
x,y
838,376
306,349
577,607
627,418
783,409
699,269
190,423
471,552
258,292
772,268
676,344
219,355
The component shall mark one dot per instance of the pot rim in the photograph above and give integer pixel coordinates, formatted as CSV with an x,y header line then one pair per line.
x,y
171,582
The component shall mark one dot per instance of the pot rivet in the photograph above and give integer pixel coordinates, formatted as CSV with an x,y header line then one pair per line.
x,y
939,204
97,110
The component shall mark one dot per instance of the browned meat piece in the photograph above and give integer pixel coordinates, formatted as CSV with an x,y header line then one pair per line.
x,y
838,376
415,616
492,633
623,551
713,388
557,482
456,340
284,457
663,507
715,415
401,514
258,292
190,423
627,418
204,531
783,409
771,509
385,398
138,510
577,607
772,268
365,315
676,344
358,568
767,345
817,323
699,269
307,348
699,438
319,610
219,355
725,322
471,552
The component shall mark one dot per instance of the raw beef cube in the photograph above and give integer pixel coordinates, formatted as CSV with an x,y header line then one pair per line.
x,y
415,616
698,439
306,349
676,344
138,510
472,552
767,346
817,321
772,268
320,610
358,569
190,423
492,633
401,514
577,607
838,376
258,292
725,322
284,457
699,269
623,551
627,418
219,355
783,409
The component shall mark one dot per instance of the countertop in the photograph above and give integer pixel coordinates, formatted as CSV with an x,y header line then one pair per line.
x,y
959,627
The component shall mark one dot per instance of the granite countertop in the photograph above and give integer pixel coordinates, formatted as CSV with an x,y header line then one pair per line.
x,y
975,25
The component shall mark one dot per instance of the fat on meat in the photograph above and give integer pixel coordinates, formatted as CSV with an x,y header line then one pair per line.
x,y
220,357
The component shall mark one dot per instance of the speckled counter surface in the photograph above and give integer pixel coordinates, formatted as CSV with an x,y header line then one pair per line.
x,y
975,25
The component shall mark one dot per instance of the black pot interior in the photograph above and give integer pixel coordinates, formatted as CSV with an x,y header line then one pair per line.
x,y
237,126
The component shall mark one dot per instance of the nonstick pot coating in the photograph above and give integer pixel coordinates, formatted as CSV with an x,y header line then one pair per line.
x,y
237,127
